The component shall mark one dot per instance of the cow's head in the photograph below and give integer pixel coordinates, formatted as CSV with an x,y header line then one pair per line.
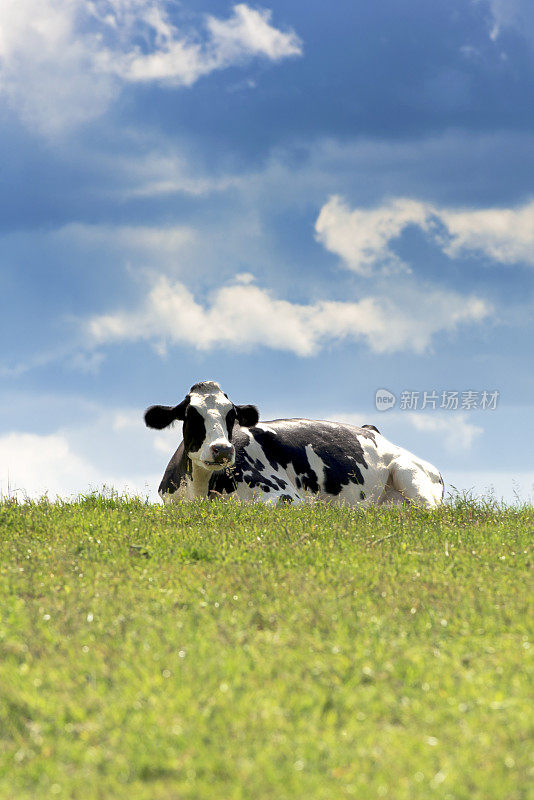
x,y
208,416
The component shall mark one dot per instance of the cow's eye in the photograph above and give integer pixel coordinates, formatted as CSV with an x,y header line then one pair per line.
x,y
230,418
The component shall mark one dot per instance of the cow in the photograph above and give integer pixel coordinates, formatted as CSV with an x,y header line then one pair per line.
x,y
227,451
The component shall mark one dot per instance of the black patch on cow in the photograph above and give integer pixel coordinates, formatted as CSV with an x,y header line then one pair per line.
x,y
282,449
230,422
194,430
337,446
371,428
177,469
257,479
362,495
254,463
285,498
251,471
223,482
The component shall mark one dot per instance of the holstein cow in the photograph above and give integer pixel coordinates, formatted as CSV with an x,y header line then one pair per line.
x,y
227,451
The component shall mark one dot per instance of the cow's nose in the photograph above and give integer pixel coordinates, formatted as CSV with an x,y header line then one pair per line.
x,y
222,452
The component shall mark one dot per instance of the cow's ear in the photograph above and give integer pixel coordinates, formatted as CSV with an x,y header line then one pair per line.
x,y
371,428
161,416
247,416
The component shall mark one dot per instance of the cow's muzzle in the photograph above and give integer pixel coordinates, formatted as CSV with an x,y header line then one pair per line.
x,y
222,455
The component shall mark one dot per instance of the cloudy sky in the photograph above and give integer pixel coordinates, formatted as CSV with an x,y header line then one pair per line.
x,y
305,202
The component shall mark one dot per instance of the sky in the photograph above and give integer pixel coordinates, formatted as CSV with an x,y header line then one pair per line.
x,y
308,203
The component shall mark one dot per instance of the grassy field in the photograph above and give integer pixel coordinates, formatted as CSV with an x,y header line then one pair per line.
x,y
223,652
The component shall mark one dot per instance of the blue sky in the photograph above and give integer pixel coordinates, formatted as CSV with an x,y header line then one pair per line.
x,y
305,203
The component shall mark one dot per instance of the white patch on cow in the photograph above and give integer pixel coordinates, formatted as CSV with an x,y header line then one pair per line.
x,y
411,477
263,427
316,464
291,475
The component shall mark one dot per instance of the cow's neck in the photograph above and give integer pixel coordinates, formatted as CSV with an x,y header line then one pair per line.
x,y
200,479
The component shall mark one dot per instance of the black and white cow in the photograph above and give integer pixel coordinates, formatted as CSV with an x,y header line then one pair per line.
x,y
227,451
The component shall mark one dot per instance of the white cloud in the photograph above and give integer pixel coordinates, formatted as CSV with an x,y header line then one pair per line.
x,y
46,68
241,316
182,61
454,430
97,447
505,235
361,236
249,32
244,316
62,62
364,238
34,465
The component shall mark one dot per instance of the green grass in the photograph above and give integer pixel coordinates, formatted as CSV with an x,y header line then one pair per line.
x,y
217,652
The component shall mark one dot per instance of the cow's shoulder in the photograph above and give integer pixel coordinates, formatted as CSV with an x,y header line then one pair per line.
x,y
253,466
